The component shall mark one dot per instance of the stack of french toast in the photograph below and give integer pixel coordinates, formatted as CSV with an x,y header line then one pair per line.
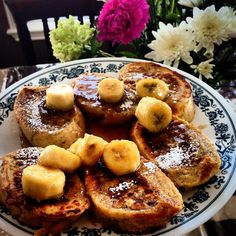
x,y
131,183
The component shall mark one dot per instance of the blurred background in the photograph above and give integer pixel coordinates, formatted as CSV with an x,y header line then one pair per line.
x,y
10,49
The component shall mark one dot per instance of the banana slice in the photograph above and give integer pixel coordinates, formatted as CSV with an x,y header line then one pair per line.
x,y
111,90
75,145
57,157
121,157
153,114
150,87
41,183
90,149
60,97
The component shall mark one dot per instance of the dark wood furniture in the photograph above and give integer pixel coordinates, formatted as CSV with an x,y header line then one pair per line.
x,y
26,10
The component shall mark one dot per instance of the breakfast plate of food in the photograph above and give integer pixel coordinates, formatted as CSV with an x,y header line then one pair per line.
x,y
113,146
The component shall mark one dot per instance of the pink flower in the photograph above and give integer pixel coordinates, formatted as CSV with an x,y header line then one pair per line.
x,y
121,21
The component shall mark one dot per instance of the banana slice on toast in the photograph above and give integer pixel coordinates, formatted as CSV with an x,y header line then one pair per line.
x,y
153,114
150,87
43,183
52,216
56,157
86,89
90,149
111,90
121,157
179,97
134,203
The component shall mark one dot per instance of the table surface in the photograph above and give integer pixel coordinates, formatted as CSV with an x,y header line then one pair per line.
x,y
222,224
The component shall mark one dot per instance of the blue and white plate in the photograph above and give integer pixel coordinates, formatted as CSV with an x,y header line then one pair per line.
x,y
213,114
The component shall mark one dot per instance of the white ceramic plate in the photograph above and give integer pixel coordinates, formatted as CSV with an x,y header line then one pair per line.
x,y
212,112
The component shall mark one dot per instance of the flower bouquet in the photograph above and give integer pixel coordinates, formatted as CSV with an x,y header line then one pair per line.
x,y
196,36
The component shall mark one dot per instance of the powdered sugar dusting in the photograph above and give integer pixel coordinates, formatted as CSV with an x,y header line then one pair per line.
x,y
177,157
151,168
34,112
31,110
130,99
25,153
123,186
35,119
126,105
27,156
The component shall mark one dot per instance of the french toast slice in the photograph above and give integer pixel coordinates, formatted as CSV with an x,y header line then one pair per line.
x,y
181,151
180,93
52,216
42,126
136,203
87,98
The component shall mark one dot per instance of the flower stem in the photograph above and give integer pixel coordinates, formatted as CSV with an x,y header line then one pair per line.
x,y
172,6
163,9
153,14
105,54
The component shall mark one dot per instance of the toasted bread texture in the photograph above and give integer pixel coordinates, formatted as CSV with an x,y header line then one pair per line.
x,y
134,203
42,126
182,151
87,98
180,93
52,216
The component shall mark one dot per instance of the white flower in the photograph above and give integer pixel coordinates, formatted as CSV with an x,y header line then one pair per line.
x,y
204,69
190,3
229,15
209,28
171,44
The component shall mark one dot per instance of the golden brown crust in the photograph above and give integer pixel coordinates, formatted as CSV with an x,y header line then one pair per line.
x,y
182,151
53,216
179,98
87,98
134,203
42,126
180,93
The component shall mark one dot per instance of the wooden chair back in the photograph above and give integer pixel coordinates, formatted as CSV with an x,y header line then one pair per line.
x,y
24,11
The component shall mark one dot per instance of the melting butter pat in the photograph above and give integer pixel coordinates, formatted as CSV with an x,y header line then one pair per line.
x,y
60,97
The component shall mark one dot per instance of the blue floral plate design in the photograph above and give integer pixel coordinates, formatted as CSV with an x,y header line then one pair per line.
x,y
214,116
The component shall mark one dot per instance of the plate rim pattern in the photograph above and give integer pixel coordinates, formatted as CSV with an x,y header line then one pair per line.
x,y
190,78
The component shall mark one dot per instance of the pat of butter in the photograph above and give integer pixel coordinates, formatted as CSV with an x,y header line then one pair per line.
x,y
60,97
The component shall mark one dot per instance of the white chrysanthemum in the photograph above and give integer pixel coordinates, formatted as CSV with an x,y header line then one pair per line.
x,y
229,15
190,3
209,28
204,69
171,44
